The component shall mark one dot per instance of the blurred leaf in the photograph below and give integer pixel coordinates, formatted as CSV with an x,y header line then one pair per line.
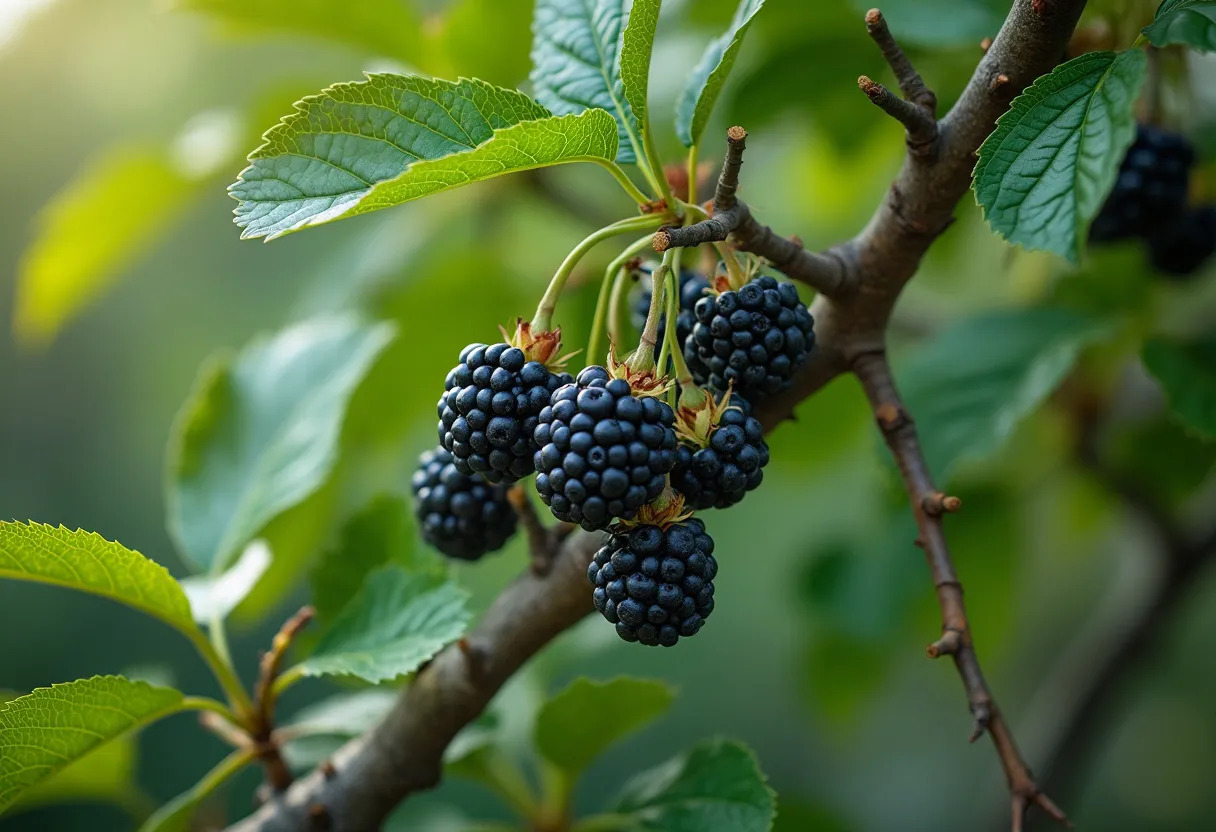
x,y
372,144
843,674
104,775
215,596
716,785
1044,172
1188,22
1187,373
47,730
1162,452
942,23
178,814
88,562
322,727
260,434
379,534
580,722
397,622
972,385
798,816
704,85
383,27
92,230
479,734
636,46
575,64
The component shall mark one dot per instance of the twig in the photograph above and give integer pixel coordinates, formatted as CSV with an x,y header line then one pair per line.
x,y
909,80
278,775
899,431
919,122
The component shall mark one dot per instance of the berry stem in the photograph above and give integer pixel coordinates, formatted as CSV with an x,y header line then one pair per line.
x,y
603,302
656,167
642,359
672,304
543,319
622,179
692,174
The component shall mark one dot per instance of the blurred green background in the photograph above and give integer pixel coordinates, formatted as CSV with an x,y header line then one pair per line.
x,y
815,653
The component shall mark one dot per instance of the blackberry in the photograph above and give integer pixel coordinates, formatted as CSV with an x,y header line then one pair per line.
x,y
1182,247
1151,188
692,289
755,338
603,453
463,517
656,584
718,467
488,410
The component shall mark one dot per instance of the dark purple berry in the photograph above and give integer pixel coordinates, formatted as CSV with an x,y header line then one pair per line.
x,y
1150,191
730,464
463,517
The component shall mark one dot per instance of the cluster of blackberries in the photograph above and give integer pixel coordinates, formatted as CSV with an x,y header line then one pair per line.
x,y
1149,201
693,287
718,470
462,516
656,584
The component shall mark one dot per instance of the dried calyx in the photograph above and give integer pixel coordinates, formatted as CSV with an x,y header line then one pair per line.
x,y
699,415
642,375
542,346
664,511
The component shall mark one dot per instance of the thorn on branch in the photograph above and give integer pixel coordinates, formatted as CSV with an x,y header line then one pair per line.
x,y
985,45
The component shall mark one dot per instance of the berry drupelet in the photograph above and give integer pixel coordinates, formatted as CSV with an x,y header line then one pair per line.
x,y
463,517
693,287
721,454
754,338
489,408
656,584
1151,188
603,452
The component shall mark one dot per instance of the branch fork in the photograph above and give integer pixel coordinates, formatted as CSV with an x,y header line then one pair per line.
x,y
917,110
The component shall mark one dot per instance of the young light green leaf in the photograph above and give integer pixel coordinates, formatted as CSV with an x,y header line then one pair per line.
x,y
580,722
372,144
704,85
975,382
389,629
1044,172
88,562
215,596
260,434
1188,22
637,44
575,50
82,245
716,785
44,732
1187,373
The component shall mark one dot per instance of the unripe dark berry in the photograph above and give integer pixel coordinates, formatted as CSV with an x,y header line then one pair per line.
x,y
730,463
1181,248
488,411
692,288
1151,188
656,584
602,453
463,517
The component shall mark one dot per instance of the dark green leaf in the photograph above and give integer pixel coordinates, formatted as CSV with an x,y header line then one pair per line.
x,y
1187,373
575,50
716,785
704,85
578,724
637,44
1044,172
1189,22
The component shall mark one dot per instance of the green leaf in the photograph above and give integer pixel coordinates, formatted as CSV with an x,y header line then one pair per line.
x,y
1189,22
1187,373
44,732
322,727
397,622
379,534
260,434
384,27
716,785
578,724
372,144
637,44
704,85
82,244
1044,172
215,596
575,64
972,385
88,562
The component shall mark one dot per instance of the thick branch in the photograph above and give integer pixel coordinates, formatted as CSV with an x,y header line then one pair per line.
x,y
899,431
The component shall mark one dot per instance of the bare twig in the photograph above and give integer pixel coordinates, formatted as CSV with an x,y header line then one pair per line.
x,y
909,80
278,775
919,122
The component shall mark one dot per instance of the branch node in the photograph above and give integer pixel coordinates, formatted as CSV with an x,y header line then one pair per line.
x,y
947,645
985,45
937,504
983,716
999,82
891,417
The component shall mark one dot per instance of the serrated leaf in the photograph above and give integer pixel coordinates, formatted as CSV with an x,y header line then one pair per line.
x,y
372,144
580,722
637,44
704,85
260,433
1045,171
396,623
320,728
215,596
1187,373
716,785
1189,22
975,382
82,244
47,730
575,54
88,562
